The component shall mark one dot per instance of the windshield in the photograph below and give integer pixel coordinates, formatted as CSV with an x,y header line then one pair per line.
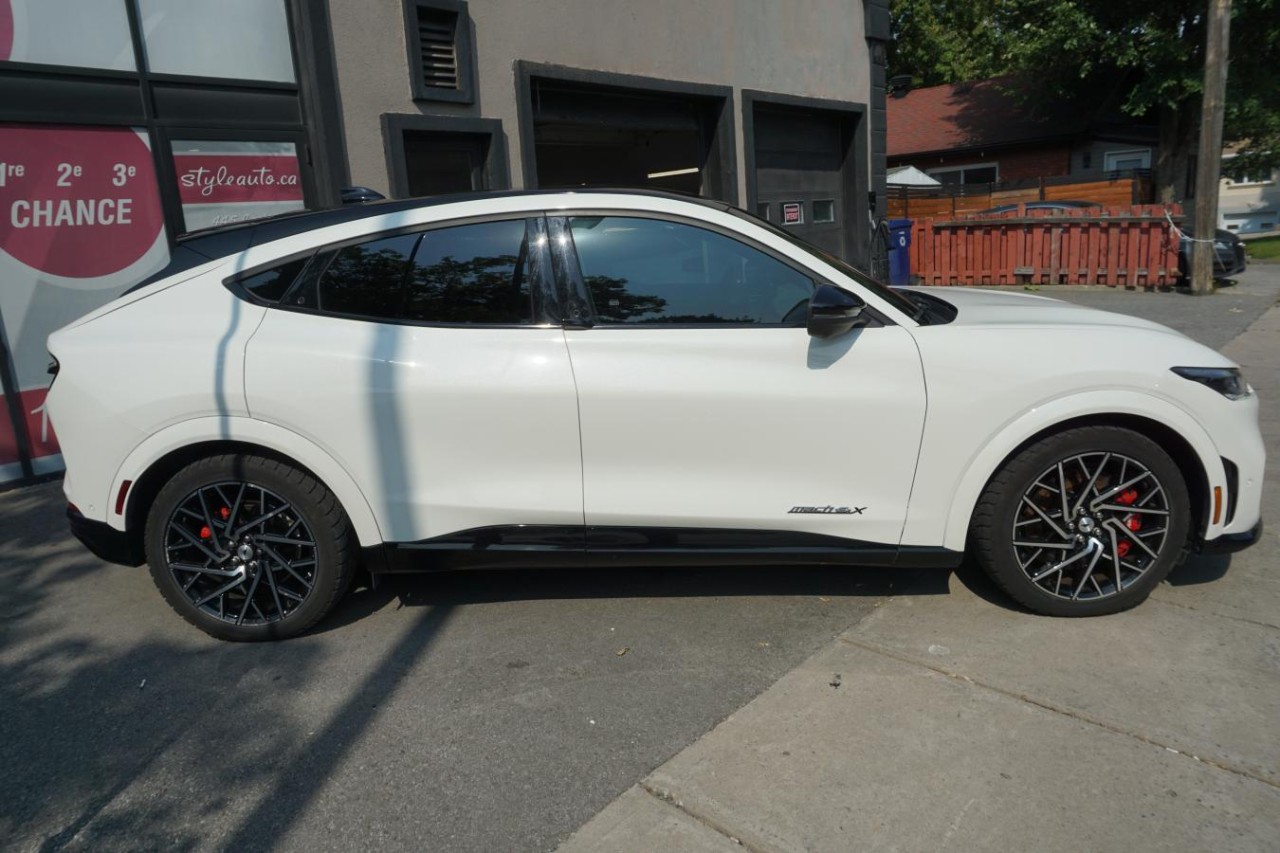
x,y
897,298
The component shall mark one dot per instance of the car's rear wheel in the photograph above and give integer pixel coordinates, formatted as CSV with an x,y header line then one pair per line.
x,y
1084,522
248,548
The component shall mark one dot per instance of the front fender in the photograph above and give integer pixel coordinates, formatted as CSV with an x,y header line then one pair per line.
x,y
262,434
1044,416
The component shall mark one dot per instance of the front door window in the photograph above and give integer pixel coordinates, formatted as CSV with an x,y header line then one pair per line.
x,y
656,272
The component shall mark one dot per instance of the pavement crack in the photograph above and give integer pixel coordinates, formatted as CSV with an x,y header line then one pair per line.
x,y
1065,712
711,823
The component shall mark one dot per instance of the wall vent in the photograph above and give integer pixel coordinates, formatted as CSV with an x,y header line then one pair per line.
x,y
438,44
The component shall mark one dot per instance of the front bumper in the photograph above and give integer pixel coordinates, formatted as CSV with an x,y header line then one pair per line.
x,y
105,541
1230,543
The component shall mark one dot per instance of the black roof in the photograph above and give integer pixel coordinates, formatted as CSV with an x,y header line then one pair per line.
x,y
242,235
199,247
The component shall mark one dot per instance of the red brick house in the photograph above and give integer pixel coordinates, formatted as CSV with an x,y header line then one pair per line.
x,y
978,133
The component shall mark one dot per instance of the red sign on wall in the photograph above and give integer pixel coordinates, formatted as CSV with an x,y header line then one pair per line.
x,y
78,203
80,222
223,181
227,178
39,430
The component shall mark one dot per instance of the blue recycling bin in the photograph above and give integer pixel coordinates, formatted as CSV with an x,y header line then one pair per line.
x,y
899,252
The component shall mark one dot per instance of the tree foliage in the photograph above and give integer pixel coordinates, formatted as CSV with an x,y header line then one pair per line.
x,y
1145,58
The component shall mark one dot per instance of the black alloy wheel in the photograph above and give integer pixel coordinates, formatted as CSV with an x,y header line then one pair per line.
x,y
1084,522
247,548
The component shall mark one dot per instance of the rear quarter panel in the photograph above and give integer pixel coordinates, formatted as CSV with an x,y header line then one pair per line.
x,y
173,355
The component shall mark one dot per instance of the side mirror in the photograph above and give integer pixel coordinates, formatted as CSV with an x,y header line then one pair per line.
x,y
833,311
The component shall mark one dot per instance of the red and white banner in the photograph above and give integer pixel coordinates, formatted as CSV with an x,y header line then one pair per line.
x,y
221,182
39,430
6,33
77,202
228,178
80,222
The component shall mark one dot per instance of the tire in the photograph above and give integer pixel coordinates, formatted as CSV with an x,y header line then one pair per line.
x,y
1134,531
293,566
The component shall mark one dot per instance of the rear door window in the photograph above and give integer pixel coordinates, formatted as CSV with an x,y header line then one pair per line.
x,y
471,274
367,280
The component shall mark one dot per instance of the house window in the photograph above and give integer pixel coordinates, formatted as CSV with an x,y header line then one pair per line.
x,y
1246,179
1127,161
977,173
441,63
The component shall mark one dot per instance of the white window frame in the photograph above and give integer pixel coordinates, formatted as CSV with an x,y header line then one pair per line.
x,y
1248,181
1109,158
946,169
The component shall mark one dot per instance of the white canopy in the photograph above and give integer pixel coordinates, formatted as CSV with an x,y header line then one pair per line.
x,y
910,176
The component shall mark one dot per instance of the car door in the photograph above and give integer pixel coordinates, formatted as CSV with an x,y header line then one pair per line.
x,y
705,404
424,363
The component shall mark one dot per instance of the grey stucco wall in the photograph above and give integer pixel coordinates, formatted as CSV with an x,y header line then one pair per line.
x,y
812,48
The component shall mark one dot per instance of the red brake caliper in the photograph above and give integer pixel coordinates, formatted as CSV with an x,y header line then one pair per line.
x,y
205,532
1131,521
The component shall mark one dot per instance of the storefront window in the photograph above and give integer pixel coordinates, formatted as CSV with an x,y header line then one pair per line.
x,y
234,39
66,32
80,222
221,182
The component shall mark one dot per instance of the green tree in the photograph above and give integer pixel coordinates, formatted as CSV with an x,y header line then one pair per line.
x,y
1144,58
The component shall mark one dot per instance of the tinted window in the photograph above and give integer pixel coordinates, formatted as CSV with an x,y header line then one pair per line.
x,y
272,284
653,271
368,279
471,274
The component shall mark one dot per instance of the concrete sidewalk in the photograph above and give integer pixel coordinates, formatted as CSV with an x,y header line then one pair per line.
x,y
953,721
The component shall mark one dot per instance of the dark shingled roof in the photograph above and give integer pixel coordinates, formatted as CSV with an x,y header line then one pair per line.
x,y
963,116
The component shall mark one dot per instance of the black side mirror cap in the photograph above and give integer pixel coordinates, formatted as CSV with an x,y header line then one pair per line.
x,y
833,311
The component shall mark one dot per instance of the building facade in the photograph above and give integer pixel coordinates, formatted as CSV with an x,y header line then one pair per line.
x,y
127,123
1249,204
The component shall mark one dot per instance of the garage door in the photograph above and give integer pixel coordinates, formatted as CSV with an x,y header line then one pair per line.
x,y
801,158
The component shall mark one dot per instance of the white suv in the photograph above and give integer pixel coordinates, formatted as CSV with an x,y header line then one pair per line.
x,y
618,378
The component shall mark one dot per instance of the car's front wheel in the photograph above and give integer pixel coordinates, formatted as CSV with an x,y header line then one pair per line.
x,y
248,548
1084,522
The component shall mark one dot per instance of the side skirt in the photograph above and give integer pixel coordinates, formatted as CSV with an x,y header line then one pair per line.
x,y
549,546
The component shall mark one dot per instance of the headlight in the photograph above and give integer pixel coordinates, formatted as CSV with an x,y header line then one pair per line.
x,y
1227,381
1221,246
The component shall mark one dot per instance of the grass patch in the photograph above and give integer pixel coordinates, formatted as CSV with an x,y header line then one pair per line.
x,y
1266,249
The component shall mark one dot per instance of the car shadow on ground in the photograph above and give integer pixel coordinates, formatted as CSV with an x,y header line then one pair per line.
x,y
456,588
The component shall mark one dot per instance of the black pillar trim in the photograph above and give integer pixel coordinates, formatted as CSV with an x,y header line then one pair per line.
x,y
322,116
497,171
857,180
720,179
878,29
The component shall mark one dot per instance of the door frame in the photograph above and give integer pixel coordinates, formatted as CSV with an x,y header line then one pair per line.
x,y
496,172
720,177
857,169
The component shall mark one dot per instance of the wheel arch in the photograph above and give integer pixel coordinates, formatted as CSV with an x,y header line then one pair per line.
x,y
1168,426
163,454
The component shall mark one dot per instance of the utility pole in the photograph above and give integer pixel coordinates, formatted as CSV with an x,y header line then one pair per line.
x,y
1209,160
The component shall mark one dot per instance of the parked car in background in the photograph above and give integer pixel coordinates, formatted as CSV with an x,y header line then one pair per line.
x,y
1044,205
1228,254
609,379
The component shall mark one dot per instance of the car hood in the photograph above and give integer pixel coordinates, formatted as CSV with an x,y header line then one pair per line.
x,y
979,307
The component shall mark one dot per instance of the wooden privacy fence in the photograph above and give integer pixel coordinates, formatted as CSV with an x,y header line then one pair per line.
x,y
971,198
1130,246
